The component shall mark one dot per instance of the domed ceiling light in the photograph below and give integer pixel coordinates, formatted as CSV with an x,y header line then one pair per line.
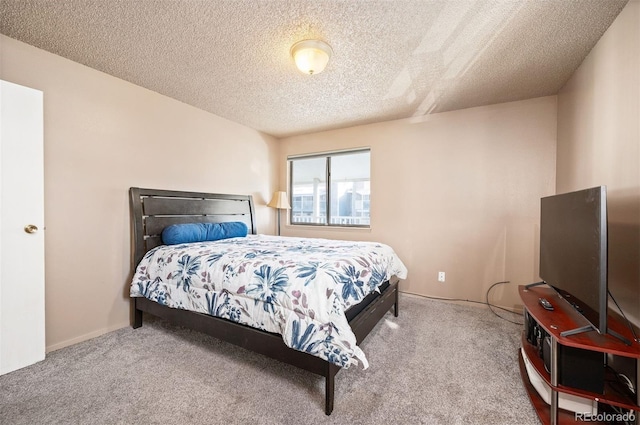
x,y
311,56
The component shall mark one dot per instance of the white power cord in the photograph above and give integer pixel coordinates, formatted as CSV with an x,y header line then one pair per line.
x,y
628,382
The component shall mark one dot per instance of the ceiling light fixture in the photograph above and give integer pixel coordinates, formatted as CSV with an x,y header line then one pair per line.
x,y
311,56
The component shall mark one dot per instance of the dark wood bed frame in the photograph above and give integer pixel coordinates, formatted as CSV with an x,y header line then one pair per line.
x,y
152,210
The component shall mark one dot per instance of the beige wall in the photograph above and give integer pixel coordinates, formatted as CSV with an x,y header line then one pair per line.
x,y
103,135
599,144
457,192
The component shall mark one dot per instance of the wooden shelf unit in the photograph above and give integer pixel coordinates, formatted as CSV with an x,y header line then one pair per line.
x,y
554,322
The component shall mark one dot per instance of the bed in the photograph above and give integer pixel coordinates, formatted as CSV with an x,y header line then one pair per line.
x,y
314,332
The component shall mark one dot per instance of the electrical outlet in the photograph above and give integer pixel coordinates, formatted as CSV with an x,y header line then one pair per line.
x,y
440,276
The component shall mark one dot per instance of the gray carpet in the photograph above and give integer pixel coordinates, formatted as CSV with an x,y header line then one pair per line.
x,y
438,363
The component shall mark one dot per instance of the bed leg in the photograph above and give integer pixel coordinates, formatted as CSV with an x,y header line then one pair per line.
x,y
137,318
330,387
395,306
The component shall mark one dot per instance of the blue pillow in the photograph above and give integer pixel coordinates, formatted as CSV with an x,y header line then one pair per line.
x,y
200,232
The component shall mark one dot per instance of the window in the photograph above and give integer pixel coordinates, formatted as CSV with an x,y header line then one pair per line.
x,y
331,189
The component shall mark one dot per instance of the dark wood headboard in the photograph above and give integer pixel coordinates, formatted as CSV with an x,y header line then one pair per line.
x,y
152,210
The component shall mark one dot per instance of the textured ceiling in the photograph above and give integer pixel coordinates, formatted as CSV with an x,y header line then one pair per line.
x,y
392,59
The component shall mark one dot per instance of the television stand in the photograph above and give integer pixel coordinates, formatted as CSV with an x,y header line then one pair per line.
x,y
555,324
586,328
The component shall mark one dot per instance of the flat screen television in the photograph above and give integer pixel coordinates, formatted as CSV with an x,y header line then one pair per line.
x,y
573,250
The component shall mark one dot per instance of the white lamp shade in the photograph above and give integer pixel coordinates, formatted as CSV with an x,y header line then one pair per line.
x,y
311,56
279,201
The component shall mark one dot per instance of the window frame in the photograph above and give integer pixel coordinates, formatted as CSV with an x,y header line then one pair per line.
x,y
328,183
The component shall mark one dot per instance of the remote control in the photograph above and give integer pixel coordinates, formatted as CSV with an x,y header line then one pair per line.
x,y
546,304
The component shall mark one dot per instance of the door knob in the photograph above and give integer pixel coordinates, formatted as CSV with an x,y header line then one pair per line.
x,y
31,228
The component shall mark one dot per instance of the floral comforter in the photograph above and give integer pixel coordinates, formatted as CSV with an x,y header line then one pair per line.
x,y
297,287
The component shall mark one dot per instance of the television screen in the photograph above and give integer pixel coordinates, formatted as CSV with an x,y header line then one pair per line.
x,y
573,250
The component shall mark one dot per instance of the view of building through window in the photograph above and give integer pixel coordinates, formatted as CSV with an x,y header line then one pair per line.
x,y
345,176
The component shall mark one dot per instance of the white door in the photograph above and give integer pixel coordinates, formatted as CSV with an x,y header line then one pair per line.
x,y
22,339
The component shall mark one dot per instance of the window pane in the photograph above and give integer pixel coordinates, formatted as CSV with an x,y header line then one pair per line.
x,y
309,190
350,189
348,186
